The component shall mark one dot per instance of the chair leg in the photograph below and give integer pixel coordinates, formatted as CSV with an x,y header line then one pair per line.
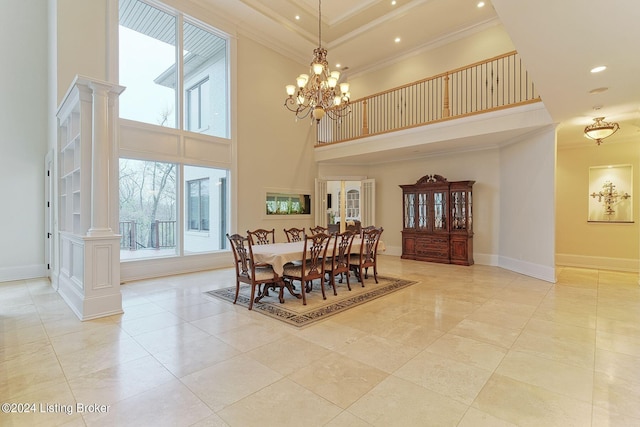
x,y
348,284
304,293
332,282
253,294
237,291
324,296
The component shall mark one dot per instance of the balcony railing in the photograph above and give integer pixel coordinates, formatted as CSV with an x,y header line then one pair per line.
x,y
493,84
161,234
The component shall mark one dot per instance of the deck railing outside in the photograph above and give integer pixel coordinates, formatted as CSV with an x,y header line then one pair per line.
x,y
162,234
488,85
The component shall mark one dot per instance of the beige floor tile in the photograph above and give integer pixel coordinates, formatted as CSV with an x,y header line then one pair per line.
x,y
347,419
15,339
563,350
288,354
98,357
459,381
211,421
617,395
226,382
476,418
485,332
397,402
48,406
381,353
254,336
176,355
618,365
228,320
567,314
338,379
169,404
546,328
528,405
195,356
562,378
179,335
331,334
150,323
283,403
618,343
469,351
29,372
92,336
418,335
116,383
604,418
498,318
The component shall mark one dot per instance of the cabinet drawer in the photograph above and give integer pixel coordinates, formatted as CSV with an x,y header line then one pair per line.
x,y
432,246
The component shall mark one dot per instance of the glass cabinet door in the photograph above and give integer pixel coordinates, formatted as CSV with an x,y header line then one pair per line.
x,y
409,210
458,210
423,211
439,211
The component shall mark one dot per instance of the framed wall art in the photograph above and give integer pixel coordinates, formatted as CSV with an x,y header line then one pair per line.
x,y
610,193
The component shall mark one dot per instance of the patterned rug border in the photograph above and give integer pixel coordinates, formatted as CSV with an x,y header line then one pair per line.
x,y
279,311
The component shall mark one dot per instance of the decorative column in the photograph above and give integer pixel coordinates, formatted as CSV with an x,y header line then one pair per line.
x,y
89,250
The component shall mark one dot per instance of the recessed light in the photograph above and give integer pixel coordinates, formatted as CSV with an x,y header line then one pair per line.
x,y
598,69
297,17
338,65
480,4
397,40
393,3
598,90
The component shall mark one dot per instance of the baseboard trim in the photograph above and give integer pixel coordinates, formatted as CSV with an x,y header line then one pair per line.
x,y
598,263
538,271
24,272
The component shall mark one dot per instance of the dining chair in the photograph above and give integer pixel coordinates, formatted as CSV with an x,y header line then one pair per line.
x,y
368,255
312,266
319,229
248,272
262,236
338,261
294,234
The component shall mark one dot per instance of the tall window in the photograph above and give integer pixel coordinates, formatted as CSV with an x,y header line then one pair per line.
x,y
148,69
175,70
198,205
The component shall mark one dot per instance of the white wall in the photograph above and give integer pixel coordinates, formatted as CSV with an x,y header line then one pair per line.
x,y
527,205
23,145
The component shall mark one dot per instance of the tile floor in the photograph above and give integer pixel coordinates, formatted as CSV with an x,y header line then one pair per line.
x,y
467,346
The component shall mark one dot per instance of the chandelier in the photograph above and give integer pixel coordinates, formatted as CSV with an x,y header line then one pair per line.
x,y
318,93
600,129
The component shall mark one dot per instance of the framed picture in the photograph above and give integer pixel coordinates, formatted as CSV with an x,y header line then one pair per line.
x,y
610,193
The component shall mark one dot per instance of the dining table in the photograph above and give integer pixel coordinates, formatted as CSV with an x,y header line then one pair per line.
x,y
278,254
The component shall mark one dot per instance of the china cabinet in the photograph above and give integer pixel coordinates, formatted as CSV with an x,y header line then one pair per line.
x,y
437,220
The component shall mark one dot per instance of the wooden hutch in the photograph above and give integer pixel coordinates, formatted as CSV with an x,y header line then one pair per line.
x,y
437,221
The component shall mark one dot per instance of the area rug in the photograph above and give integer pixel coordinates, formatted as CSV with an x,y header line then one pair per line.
x,y
294,313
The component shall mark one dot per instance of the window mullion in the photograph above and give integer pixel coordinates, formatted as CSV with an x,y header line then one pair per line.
x,y
180,71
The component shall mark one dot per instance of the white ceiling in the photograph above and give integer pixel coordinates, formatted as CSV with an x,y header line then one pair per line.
x,y
558,40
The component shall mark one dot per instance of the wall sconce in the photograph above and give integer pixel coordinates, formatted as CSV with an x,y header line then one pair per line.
x,y
600,129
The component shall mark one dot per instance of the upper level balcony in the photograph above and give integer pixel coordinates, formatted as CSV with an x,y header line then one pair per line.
x,y
479,106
